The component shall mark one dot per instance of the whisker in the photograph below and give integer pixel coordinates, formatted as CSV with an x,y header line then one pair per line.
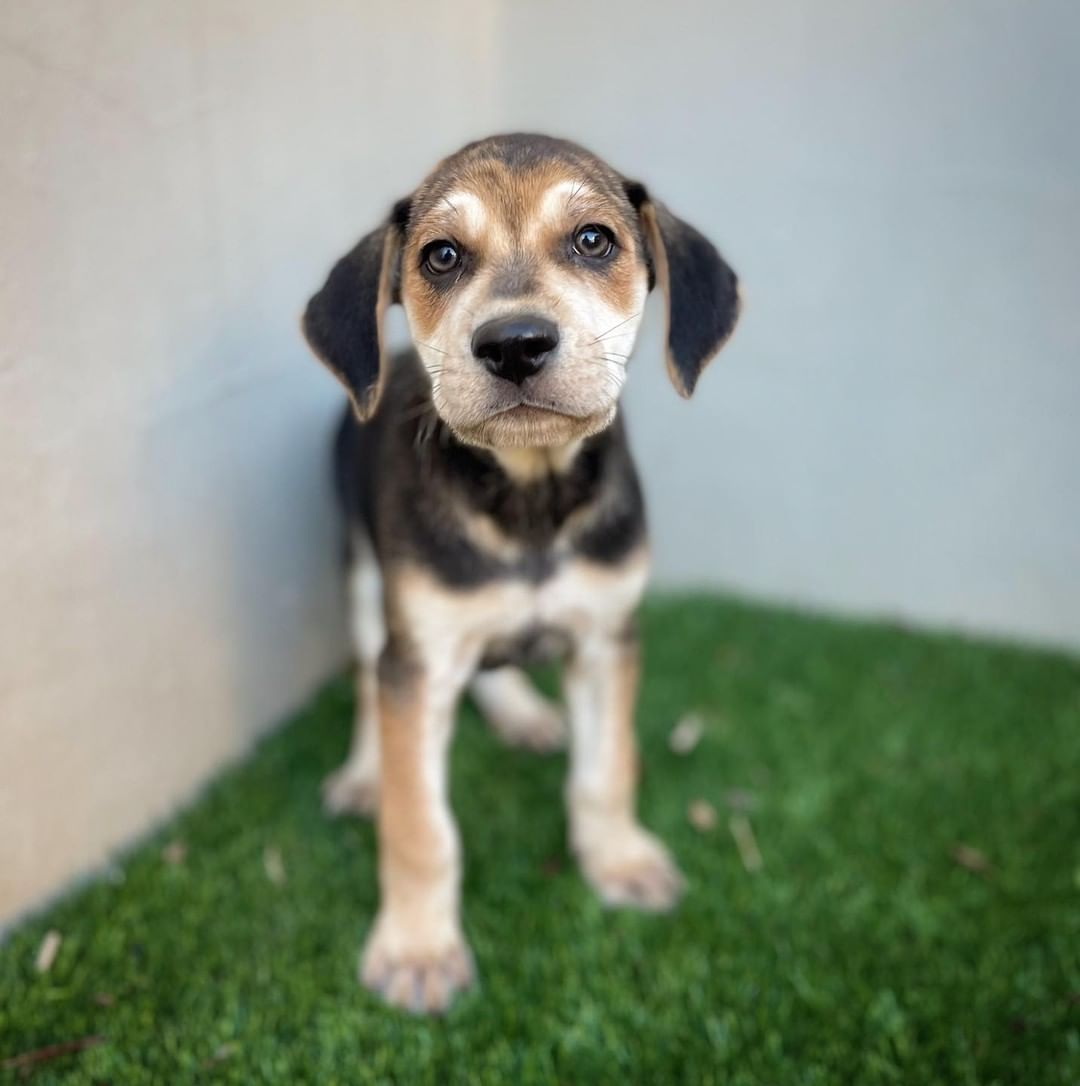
x,y
603,335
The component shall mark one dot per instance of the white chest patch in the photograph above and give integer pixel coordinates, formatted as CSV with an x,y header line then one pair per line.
x,y
452,629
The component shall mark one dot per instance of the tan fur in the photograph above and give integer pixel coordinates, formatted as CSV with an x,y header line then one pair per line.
x,y
416,955
529,463
484,534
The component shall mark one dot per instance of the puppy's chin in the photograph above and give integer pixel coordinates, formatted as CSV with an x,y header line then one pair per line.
x,y
526,427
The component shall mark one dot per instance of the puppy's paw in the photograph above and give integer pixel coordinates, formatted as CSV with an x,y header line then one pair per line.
x,y
346,792
542,730
517,712
634,870
419,974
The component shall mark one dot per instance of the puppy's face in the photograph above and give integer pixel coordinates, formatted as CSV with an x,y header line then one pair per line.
x,y
523,264
524,278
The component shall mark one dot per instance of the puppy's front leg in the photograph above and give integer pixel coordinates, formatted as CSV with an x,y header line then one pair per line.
x,y
625,864
416,956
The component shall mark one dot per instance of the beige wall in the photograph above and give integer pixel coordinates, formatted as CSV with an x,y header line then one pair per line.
x,y
176,179
894,428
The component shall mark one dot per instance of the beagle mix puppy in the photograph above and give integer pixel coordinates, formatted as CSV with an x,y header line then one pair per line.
x,y
494,514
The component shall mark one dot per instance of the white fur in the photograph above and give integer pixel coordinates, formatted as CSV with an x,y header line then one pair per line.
x,y
474,217
354,786
516,710
557,204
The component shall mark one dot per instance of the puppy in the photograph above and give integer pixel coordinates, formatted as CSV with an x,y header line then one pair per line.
x,y
494,513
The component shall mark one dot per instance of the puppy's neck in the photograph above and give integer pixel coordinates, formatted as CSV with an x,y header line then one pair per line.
x,y
527,465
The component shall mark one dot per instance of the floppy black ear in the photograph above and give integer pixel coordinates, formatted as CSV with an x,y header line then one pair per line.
x,y
343,321
702,291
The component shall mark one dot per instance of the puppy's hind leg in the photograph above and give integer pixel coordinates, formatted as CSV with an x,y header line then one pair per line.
x,y
516,710
354,787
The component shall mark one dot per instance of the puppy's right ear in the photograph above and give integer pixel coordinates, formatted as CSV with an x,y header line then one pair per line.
x,y
343,322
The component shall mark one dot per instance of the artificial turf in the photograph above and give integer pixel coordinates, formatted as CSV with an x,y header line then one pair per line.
x,y
869,948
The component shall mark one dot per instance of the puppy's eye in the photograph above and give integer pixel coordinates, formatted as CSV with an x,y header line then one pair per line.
x,y
440,257
594,241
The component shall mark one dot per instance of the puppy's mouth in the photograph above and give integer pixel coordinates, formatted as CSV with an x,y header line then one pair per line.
x,y
550,408
527,411
521,404
527,424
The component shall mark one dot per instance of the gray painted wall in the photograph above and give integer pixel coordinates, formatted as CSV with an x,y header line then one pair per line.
x,y
895,428
177,178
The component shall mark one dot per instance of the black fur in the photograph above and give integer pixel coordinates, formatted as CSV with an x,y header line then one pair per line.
x,y
703,298
404,479
341,321
638,195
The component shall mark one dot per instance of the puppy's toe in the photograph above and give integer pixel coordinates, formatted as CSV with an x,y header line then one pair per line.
x,y
637,873
346,792
418,979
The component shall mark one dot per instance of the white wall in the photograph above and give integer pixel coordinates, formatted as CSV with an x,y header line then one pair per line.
x,y
894,427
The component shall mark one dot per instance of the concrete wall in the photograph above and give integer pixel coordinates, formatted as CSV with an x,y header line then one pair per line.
x,y
893,429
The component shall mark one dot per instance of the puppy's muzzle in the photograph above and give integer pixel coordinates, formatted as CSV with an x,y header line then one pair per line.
x,y
515,347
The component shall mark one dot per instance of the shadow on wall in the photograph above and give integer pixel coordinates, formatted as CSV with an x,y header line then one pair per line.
x,y
269,433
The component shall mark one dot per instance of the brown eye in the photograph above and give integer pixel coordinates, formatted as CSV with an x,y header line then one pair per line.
x,y
440,257
593,241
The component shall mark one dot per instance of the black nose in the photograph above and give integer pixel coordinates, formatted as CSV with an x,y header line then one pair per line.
x,y
515,347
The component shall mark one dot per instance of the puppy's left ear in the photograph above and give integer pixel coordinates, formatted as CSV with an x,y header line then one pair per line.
x,y
343,322
702,291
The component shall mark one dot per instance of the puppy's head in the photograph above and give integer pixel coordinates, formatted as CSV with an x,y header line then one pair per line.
x,y
523,264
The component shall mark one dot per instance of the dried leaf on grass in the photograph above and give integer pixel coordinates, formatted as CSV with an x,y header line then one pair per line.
x,y
701,815
971,859
746,842
222,1053
686,734
740,799
26,1060
174,853
274,865
50,947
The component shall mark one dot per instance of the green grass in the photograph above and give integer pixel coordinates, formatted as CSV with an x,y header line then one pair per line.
x,y
862,952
